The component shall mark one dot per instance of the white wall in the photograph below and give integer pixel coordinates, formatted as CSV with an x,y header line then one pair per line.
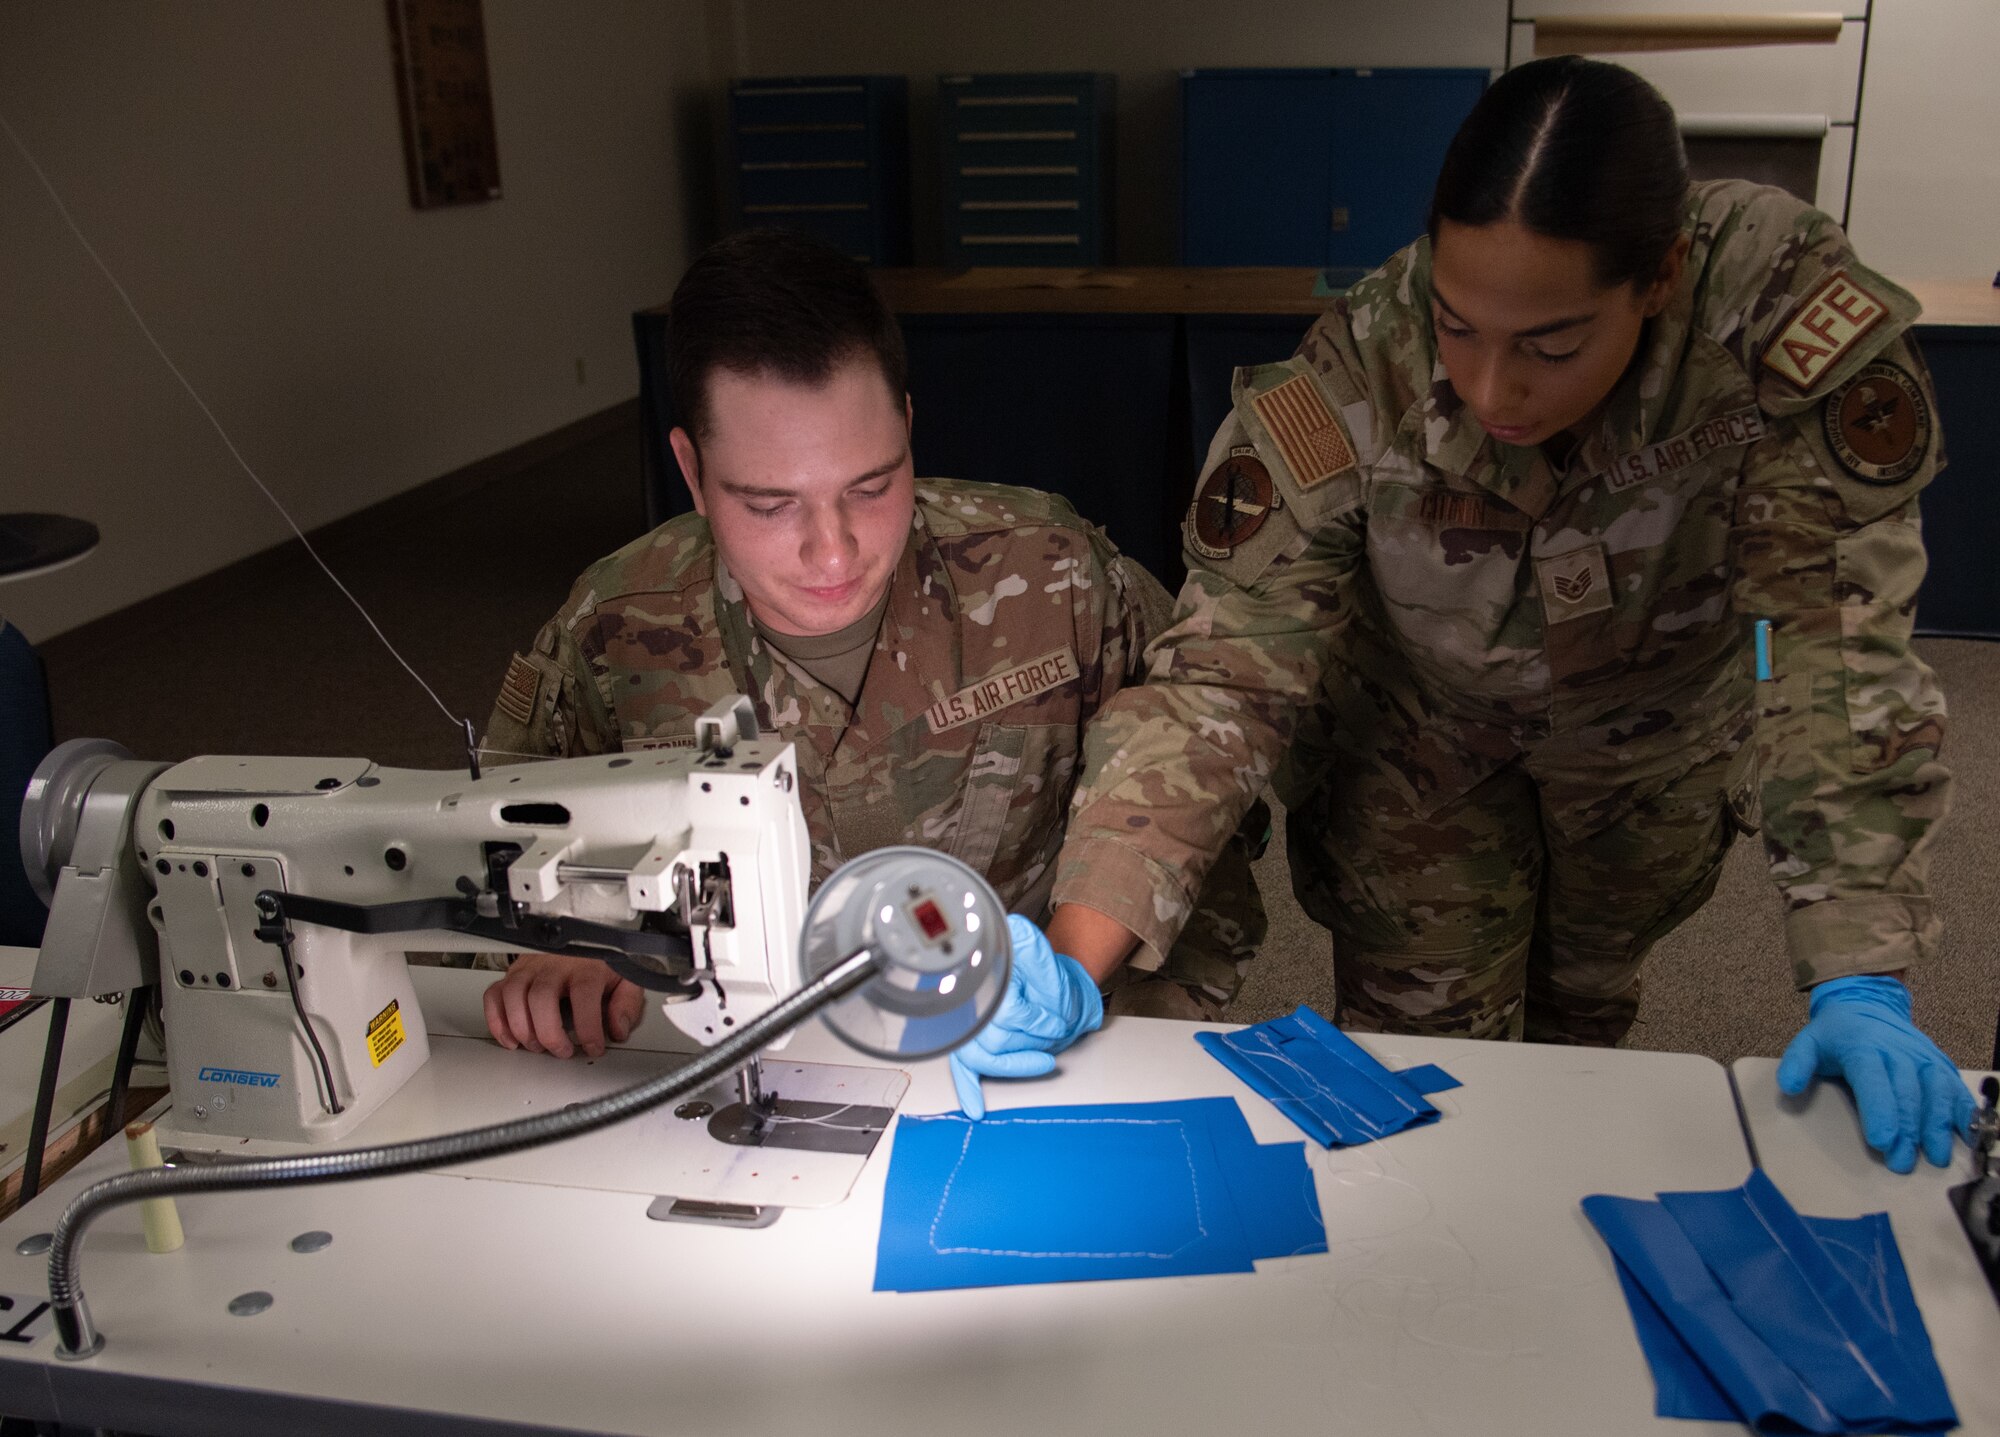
x,y
1927,201
239,166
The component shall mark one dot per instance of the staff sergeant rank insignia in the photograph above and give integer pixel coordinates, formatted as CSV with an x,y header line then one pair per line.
x,y
1878,425
1233,504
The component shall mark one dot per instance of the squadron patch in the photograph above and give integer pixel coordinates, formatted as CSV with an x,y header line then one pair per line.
x,y
1574,584
1826,327
1311,440
1233,504
519,690
1878,425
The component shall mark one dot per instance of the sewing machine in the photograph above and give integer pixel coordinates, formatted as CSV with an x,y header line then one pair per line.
x,y
277,899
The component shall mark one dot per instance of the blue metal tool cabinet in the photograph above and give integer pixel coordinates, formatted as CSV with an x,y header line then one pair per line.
x,y
825,154
1025,163
1330,168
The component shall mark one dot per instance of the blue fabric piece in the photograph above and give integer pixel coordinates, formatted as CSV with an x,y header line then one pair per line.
x,y
1272,1182
1324,1081
1747,1311
1864,1248
1681,1384
1070,1194
1428,1078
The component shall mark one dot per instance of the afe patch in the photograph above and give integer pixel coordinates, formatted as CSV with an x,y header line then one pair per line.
x,y
1574,584
998,691
1826,327
519,690
1311,440
1232,505
1878,425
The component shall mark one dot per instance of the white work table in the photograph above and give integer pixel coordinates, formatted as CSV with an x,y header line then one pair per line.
x,y
1810,1147
1464,1292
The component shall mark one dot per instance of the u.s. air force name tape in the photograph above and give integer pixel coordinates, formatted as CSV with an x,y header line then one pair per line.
x,y
997,691
1656,461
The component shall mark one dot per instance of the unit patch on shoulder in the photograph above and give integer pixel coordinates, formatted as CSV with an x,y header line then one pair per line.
x,y
518,691
1310,438
1826,327
1233,504
1878,424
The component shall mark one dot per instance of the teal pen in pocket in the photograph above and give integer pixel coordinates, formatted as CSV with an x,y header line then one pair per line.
x,y
1763,649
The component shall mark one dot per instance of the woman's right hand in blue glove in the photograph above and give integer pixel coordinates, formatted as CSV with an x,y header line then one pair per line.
x,y
1050,1002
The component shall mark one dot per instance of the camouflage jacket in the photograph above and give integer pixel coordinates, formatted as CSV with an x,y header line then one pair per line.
x,y
1010,623
1761,460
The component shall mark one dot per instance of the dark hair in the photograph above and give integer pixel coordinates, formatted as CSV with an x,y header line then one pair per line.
x,y
774,302
1573,149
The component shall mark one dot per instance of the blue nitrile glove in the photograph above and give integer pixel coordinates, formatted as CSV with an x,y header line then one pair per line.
x,y
1050,1003
1908,1092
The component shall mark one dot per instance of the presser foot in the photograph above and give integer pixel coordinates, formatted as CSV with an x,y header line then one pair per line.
x,y
801,1124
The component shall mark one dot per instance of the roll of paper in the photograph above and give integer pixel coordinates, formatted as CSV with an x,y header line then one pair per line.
x,y
1624,34
1754,127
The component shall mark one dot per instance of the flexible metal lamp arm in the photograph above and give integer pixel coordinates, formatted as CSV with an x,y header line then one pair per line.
x,y
77,1336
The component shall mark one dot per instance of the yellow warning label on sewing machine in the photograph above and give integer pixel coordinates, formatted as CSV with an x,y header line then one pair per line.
x,y
385,1033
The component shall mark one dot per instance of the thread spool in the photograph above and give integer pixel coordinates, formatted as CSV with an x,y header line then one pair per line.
x,y
161,1218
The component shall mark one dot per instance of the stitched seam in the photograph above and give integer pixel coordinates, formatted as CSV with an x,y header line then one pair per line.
x,y
944,1198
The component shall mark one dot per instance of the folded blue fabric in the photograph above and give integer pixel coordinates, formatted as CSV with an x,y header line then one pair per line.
x,y
1324,1081
1748,1312
1067,1194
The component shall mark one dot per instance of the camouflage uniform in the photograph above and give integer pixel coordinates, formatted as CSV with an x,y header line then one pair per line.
x,y
1010,622
1519,701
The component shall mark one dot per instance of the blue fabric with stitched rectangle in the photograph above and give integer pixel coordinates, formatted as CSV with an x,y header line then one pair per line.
x,y
1747,1311
1068,1194
1324,1081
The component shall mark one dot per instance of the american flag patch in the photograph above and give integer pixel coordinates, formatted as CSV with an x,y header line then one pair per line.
x,y
518,691
1314,445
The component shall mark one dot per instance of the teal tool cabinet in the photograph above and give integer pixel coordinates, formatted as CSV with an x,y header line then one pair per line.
x,y
1025,168
829,155
1328,168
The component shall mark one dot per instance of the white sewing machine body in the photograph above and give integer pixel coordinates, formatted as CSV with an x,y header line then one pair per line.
x,y
687,868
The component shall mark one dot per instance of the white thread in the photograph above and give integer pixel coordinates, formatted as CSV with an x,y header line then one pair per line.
x,y
1234,1043
1876,1261
944,1198
216,424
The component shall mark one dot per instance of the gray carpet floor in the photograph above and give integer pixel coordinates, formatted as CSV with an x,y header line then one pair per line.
x,y
281,664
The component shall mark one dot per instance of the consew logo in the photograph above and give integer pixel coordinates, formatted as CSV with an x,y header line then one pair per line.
x,y
241,1077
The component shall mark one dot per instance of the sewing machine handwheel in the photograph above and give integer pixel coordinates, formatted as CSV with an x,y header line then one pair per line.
x,y
53,804
940,933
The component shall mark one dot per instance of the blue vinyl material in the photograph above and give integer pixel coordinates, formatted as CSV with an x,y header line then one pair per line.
x,y
1325,1082
24,741
1313,167
1748,1312
1075,1194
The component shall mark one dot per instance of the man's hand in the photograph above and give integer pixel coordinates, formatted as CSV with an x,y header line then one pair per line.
x,y
1050,1002
526,1008
1908,1092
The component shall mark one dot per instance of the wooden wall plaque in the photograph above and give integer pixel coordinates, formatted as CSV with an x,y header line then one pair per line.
x,y
446,101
